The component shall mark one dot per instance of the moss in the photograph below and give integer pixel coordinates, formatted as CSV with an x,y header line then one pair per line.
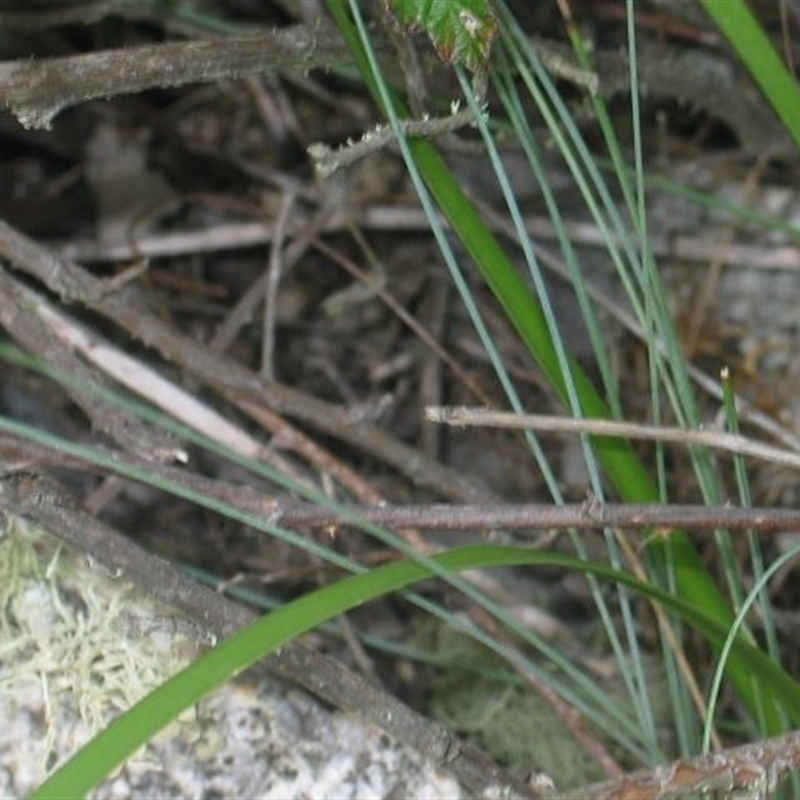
x,y
477,696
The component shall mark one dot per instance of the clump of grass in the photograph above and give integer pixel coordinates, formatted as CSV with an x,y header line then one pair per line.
x,y
676,578
672,561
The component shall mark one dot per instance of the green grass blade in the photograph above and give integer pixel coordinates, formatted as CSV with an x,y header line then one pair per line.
x,y
574,687
742,30
87,768
719,672
625,654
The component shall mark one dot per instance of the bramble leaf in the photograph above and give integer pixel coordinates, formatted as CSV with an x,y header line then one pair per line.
x,y
462,31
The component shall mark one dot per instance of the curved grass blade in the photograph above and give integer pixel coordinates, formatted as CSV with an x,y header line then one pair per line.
x,y
575,687
134,728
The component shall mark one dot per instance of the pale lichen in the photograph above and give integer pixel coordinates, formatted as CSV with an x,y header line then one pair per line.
x,y
72,655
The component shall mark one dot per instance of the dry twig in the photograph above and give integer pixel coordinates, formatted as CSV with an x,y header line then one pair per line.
x,y
126,309
17,453
36,91
719,440
750,771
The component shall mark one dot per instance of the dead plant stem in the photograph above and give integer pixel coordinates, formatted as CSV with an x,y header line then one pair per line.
x,y
462,416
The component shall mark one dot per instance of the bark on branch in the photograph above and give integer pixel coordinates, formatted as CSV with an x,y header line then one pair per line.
x,y
36,91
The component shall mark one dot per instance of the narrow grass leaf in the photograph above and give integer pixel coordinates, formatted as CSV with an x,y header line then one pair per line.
x,y
126,734
741,28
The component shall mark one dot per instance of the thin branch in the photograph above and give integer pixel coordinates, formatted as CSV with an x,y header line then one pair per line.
x,y
751,770
328,160
36,91
36,16
537,517
17,452
719,440
235,235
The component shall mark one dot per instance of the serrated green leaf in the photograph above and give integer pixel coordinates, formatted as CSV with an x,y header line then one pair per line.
x,y
462,31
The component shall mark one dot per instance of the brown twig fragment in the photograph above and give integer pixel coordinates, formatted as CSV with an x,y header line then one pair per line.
x,y
533,517
36,91
719,440
327,160
752,770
